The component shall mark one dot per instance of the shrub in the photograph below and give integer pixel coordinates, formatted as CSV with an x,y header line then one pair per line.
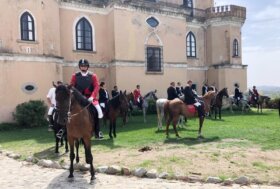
x,y
8,126
273,103
31,114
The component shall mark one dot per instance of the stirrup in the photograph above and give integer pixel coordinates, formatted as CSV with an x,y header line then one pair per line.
x,y
59,134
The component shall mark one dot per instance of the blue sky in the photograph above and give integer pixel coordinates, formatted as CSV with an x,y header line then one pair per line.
x,y
260,40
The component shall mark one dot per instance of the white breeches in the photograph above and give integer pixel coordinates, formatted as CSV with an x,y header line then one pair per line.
x,y
100,113
50,110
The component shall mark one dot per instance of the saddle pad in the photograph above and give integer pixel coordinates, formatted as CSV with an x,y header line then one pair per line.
x,y
191,108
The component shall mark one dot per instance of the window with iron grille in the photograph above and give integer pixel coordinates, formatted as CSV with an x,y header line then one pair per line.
x,y
191,45
154,59
235,48
27,27
188,3
83,35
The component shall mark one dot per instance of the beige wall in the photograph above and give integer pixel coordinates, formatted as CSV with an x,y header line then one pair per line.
x,y
11,82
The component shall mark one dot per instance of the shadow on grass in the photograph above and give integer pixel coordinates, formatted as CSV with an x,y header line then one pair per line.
x,y
190,141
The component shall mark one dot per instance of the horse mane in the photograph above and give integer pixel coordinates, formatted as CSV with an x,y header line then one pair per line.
x,y
147,94
81,99
209,94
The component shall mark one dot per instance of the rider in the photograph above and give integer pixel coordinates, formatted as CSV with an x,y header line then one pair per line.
x,y
190,98
115,91
179,89
237,94
87,83
103,96
255,94
138,99
171,92
52,103
204,88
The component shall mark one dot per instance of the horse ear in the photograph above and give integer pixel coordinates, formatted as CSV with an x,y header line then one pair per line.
x,y
155,91
120,91
124,92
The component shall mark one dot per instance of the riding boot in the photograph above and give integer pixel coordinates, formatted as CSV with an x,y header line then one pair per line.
x,y
98,133
51,122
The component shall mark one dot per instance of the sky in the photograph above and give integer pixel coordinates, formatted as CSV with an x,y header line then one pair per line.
x,y
260,40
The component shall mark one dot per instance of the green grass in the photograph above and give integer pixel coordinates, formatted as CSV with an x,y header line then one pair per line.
x,y
246,129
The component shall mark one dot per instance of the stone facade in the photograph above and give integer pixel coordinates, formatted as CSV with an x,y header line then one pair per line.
x,y
120,39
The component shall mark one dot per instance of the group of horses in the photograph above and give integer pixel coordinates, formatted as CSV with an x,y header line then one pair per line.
x,y
72,112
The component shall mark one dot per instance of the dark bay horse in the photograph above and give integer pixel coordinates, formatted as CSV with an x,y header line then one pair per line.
x,y
217,103
116,106
257,101
174,108
72,112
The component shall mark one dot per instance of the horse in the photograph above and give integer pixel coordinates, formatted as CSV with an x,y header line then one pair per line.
x,y
230,103
147,97
72,109
258,102
60,134
116,106
217,102
174,108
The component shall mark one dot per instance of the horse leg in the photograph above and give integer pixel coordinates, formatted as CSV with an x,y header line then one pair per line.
x,y
89,159
72,157
66,143
56,142
220,112
111,127
201,120
114,128
167,126
175,121
215,112
144,114
77,143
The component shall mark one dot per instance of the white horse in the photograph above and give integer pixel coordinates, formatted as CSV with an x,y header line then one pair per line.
x,y
160,112
148,97
229,103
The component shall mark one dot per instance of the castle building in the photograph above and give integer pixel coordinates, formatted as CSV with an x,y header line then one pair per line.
x,y
127,42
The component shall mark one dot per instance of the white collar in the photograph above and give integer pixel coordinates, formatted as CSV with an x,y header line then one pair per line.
x,y
84,73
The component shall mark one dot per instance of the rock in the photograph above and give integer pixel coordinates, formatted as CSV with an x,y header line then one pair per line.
x,y
275,183
163,175
126,171
113,170
55,165
140,172
102,169
152,173
45,163
14,156
30,159
228,182
84,167
243,180
213,180
193,179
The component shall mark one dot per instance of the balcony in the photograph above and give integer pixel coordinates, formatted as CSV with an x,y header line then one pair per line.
x,y
226,11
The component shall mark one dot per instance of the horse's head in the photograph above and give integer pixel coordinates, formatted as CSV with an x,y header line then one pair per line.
x,y
151,95
223,92
124,103
62,97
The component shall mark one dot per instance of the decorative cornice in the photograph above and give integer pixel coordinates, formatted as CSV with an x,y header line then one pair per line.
x,y
30,58
231,66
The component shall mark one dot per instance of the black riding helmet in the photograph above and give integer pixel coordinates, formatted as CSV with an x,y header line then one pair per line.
x,y
83,62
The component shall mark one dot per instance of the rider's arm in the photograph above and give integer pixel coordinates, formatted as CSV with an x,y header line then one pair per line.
x,y
96,86
73,80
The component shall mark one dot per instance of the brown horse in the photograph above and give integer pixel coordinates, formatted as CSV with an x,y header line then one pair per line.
x,y
174,108
116,106
217,102
73,112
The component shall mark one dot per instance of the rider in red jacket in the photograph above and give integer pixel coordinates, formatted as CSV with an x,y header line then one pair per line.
x,y
138,99
87,83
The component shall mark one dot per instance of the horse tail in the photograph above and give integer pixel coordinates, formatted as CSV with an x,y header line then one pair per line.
x,y
158,109
166,110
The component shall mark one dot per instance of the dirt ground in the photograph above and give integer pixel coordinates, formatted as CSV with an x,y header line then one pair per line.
x,y
219,159
20,175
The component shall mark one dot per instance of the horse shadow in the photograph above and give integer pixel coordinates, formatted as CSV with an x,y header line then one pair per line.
x,y
50,154
61,181
189,141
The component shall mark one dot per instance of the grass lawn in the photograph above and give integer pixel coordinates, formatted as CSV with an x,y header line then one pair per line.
x,y
252,128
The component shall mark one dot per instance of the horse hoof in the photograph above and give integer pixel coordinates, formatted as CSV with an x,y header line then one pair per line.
x,y
70,179
111,137
178,136
167,136
92,180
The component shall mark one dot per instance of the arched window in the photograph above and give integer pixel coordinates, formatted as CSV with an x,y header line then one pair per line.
x,y
27,27
191,45
83,35
235,48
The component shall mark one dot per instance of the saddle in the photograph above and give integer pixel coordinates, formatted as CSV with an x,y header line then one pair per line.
x,y
191,109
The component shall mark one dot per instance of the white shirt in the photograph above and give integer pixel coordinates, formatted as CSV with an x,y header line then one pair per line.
x,y
51,95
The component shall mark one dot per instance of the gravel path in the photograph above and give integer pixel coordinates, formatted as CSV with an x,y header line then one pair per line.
x,y
18,175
